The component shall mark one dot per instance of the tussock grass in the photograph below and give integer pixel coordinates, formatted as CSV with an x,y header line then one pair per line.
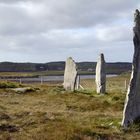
x,y
4,85
54,114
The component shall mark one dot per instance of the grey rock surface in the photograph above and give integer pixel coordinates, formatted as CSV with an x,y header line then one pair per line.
x,y
132,104
100,78
23,90
70,75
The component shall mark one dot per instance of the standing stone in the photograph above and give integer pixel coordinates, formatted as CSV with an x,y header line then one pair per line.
x,y
100,78
77,82
70,75
132,105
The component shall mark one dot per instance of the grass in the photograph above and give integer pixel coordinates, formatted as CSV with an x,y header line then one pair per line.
x,y
54,114
114,84
4,85
39,73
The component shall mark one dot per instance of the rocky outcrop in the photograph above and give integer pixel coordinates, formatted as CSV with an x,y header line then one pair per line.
x,y
70,75
132,105
100,78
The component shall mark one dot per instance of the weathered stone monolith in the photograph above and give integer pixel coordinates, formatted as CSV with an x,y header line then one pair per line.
x,y
100,78
132,104
70,75
77,82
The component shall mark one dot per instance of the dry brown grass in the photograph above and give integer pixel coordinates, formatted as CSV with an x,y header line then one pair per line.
x,y
53,114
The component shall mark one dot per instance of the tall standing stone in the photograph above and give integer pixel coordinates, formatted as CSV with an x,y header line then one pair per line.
x,y
132,105
100,78
70,75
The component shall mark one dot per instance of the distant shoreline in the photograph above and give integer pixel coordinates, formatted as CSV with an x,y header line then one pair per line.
x,y
8,75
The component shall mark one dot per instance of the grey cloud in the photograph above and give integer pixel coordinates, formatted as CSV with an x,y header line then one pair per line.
x,y
63,14
80,28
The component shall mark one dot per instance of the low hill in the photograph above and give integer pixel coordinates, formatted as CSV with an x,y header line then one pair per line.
x,y
112,68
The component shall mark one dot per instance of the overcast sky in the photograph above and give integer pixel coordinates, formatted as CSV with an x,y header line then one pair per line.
x,y
52,30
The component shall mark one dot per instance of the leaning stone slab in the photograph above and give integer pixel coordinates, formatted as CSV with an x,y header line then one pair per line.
x,y
132,105
70,75
100,78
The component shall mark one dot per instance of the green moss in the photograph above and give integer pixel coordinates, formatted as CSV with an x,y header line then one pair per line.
x,y
8,85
